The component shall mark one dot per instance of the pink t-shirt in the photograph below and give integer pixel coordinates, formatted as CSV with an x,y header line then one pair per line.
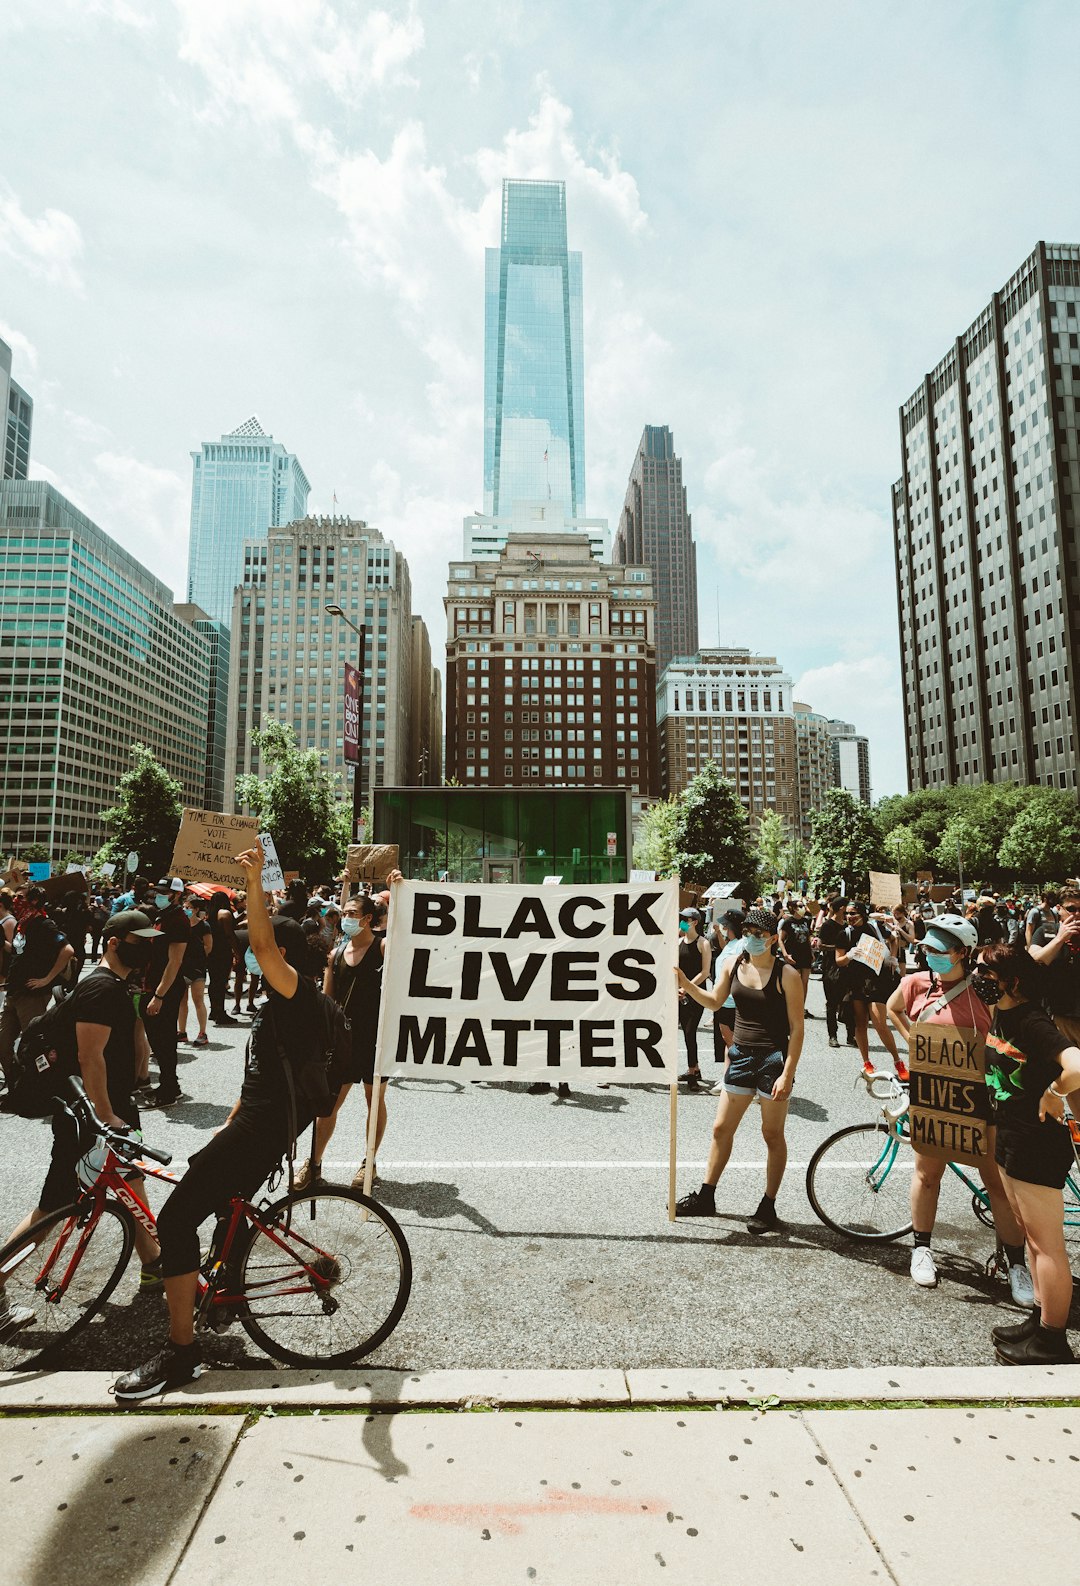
x,y
920,995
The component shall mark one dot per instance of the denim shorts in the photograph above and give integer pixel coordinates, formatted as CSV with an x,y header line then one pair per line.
x,y
752,1073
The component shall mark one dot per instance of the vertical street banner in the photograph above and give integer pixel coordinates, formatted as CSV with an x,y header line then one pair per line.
x,y
352,713
531,982
949,1110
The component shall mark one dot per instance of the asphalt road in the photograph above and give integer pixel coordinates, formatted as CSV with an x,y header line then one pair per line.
x,y
539,1233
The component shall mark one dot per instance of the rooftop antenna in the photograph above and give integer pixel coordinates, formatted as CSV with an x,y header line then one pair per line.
x,y
718,616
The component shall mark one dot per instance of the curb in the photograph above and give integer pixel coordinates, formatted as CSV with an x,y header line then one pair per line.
x,y
638,1389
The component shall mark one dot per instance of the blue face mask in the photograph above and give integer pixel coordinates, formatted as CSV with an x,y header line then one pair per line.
x,y
939,963
162,899
251,963
755,944
349,926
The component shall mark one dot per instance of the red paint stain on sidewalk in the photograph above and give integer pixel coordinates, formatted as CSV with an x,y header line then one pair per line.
x,y
506,1517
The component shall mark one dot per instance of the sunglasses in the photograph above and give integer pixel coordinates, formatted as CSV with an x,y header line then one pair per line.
x,y
1070,908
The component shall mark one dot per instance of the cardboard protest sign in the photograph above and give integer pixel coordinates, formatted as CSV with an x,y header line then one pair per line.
x,y
885,890
372,861
940,893
514,982
272,878
107,868
870,951
207,845
924,875
18,874
59,886
950,1105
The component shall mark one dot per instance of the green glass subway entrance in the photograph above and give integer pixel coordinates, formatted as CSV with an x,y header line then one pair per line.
x,y
507,834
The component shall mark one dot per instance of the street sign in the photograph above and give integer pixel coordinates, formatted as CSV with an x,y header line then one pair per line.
x,y
132,863
612,844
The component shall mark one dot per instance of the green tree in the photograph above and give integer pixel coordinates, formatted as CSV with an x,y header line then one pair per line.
x,y
713,841
904,851
964,846
656,843
35,853
795,859
146,815
846,842
296,800
1043,842
772,838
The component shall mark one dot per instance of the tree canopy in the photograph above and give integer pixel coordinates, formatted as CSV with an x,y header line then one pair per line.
x,y
712,835
146,816
296,800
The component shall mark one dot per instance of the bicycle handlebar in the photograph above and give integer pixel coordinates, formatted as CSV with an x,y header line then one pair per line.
x,y
122,1144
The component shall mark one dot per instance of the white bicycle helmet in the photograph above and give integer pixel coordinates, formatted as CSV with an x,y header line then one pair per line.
x,y
954,925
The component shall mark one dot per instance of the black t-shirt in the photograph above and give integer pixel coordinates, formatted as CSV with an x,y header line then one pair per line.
x,y
198,949
284,1022
42,940
796,938
1021,1061
174,927
831,936
989,927
1061,977
103,998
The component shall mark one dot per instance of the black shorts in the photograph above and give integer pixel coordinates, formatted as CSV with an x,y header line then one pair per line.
x,y
61,1185
752,1073
1039,1153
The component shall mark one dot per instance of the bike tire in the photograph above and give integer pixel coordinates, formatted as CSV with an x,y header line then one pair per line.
x,y
99,1269
839,1189
357,1311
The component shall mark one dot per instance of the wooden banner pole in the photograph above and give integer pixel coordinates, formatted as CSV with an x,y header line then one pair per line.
x,y
377,1083
672,1132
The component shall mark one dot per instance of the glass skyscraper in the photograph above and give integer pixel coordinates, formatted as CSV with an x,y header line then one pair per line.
x,y
534,423
242,486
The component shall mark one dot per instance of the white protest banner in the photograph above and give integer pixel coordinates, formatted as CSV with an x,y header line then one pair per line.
x,y
206,846
108,868
870,951
272,878
512,982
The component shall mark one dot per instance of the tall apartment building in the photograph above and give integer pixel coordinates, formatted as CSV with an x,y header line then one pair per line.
x,y
814,762
242,485
734,708
551,669
288,653
851,760
216,635
16,421
655,528
425,712
986,519
94,657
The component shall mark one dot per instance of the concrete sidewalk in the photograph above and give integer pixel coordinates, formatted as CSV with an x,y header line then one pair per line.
x,y
565,1496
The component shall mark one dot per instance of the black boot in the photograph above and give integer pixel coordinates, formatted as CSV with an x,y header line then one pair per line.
x,y
1017,1332
1047,1346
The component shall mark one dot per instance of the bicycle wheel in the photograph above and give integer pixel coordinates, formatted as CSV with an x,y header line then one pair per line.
x,y
981,1208
859,1183
62,1271
325,1284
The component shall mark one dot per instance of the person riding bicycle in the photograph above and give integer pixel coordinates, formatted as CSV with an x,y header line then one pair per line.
x,y
944,995
256,1136
110,1044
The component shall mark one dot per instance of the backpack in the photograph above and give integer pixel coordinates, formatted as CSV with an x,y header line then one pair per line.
x,y
316,1073
47,1055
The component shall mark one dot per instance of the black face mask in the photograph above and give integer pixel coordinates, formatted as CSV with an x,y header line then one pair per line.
x,y
133,955
986,989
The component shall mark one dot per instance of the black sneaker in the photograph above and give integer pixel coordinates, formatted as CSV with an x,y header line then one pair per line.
x,y
160,1099
764,1219
691,1079
564,1089
176,1365
225,1020
539,1089
696,1204
833,1041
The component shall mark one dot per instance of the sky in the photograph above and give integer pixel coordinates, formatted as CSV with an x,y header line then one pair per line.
x,y
788,211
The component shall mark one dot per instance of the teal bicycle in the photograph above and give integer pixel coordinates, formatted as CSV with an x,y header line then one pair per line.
x,y
859,1180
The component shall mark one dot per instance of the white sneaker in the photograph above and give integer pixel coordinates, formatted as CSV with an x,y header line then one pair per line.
x,y
1020,1286
923,1267
717,1090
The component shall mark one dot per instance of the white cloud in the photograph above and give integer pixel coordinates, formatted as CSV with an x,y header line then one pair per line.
x,y
48,245
21,346
143,507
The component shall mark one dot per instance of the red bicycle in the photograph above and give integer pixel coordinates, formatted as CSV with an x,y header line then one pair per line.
x,y
317,1278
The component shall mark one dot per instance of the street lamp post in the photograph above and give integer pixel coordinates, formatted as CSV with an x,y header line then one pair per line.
x,y
358,781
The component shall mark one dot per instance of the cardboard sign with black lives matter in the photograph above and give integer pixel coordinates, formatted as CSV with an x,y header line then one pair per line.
x,y
531,982
371,862
949,1114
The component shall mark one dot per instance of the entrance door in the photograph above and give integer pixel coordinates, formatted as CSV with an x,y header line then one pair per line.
x,y
501,871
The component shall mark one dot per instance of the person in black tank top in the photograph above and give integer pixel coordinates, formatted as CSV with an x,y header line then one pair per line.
x,y
695,957
763,1057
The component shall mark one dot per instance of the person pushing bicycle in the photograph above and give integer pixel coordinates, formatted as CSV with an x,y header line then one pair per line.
x,y
258,1133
